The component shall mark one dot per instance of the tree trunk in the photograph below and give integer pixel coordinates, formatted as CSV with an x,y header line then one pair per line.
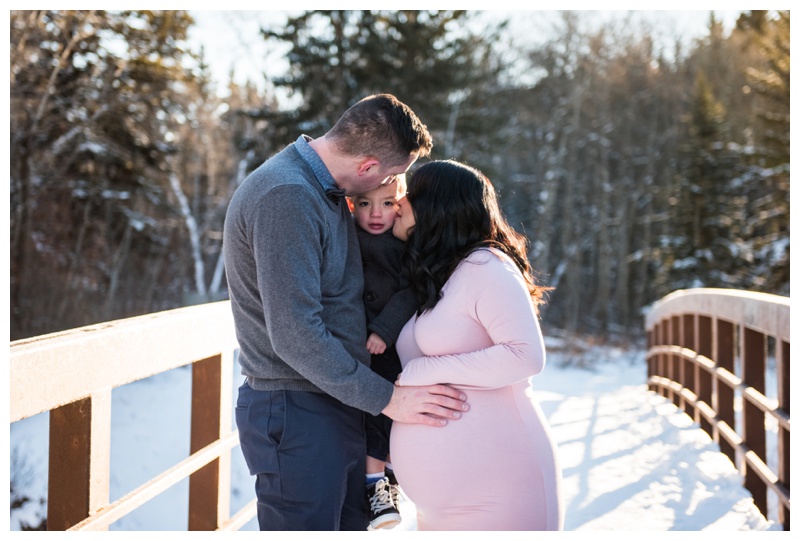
x,y
68,293
117,264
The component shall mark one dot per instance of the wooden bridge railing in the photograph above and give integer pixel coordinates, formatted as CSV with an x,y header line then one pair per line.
x,y
709,352
71,375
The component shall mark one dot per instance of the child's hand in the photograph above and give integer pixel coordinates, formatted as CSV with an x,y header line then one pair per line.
x,y
375,344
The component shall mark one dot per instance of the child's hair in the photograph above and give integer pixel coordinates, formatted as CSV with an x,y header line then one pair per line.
x,y
401,180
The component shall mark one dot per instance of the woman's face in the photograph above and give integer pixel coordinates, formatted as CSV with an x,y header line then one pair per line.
x,y
405,219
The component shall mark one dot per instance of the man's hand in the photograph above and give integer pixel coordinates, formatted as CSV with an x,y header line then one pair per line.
x,y
375,344
432,405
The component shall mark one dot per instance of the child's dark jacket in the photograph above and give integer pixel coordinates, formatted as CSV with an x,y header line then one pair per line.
x,y
388,301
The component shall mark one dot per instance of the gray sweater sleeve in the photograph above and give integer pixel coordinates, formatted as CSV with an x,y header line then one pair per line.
x,y
300,310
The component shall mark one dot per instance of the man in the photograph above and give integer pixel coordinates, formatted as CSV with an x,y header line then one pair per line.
x,y
295,281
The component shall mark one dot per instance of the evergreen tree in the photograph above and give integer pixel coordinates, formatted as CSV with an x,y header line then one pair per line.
x,y
88,160
769,80
765,185
731,216
633,170
698,234
430,60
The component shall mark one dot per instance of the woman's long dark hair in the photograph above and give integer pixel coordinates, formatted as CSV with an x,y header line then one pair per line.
x,y
456,212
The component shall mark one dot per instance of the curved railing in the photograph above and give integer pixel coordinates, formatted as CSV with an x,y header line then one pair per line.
x,y
71,375
708,351
723,357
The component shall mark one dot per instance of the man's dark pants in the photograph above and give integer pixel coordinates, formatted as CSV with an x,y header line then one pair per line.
x,y
307,451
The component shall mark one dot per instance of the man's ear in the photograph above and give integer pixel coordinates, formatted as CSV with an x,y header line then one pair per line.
x,y
368,165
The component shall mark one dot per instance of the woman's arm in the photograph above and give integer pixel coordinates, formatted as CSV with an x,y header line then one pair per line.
x,y
502,306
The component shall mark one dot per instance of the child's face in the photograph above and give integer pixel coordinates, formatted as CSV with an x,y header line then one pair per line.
x,y
376,210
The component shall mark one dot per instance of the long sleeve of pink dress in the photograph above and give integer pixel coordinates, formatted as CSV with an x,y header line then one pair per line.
x,y
496,468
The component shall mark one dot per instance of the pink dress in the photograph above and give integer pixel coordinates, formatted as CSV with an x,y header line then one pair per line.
x,y
495,468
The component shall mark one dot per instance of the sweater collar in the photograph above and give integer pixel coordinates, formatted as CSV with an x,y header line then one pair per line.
x,y
324,176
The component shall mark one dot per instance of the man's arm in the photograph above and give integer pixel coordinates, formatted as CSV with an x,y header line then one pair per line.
x,y
290,234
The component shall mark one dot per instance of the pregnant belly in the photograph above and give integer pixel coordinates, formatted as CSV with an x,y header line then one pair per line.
x,y
490,445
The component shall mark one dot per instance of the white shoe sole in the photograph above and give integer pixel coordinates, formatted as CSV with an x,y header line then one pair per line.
x,y
386,522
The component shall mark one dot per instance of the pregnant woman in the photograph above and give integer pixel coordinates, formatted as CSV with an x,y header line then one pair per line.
x,y
478,330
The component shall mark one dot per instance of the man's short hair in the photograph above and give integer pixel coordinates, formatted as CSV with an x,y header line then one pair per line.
x,y
383,127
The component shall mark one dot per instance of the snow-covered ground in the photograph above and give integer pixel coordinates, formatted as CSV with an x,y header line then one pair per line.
x,y
631,460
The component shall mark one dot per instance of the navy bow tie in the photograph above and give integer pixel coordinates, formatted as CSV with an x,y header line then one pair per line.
x,y
335,194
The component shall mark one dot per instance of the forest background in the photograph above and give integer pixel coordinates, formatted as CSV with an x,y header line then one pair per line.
x,y
634,167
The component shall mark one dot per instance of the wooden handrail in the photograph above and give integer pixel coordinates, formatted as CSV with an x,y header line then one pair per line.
x,y
71,374
694,337
70,365
766,313
708,347
766,405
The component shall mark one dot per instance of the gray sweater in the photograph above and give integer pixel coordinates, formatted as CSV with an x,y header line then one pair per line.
x,y
295,281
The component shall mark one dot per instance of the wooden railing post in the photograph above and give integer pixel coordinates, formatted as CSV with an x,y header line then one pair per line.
x,y
650,359
71,374
79,463
672,362
704,379
717,342
753,430
782,368
724,401
656,362
209,487
687,366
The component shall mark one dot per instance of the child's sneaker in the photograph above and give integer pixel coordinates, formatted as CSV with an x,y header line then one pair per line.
x,y
382,507
394,488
